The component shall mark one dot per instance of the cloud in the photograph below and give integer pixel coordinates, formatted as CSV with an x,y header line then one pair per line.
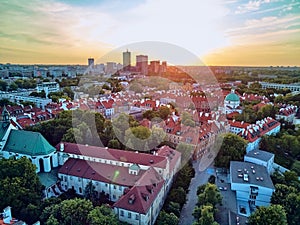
x,y
252,5
255,26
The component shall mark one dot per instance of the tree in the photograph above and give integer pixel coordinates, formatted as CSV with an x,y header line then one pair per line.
x,y
174,207
207,216
164,112
102,216
114,143
281,192
273,214
179,195
69,92
13,87
211,195
73,211
167,219
20,187
296,167
136,87
52,221
3,85
137,138
186,150
89,192
233,148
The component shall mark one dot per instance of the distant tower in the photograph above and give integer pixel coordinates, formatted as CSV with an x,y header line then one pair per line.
x,y
5,116
126,60
142,64
91,62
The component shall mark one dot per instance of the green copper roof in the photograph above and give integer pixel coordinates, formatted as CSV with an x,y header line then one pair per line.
x,y
232,97
28,143
134,167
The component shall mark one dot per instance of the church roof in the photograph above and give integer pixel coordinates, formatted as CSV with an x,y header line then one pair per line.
x,y
232,97
28,143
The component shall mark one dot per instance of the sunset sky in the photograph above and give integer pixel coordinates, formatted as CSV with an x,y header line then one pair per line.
x,y
220,32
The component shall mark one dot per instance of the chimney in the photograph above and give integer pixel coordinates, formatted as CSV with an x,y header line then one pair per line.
x,y
7,215
62,147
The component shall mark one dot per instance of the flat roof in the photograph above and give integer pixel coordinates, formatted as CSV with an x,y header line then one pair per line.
x,y
257,174
260,154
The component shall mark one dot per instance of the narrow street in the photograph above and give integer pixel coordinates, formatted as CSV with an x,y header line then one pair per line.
x,y
201,177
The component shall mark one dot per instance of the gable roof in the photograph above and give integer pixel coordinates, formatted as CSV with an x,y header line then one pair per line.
x,y
28,143
114,154
142,195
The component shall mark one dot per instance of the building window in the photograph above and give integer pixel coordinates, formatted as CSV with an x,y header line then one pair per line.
x,y
129,215
65,177
114,196
115,187
80,190
106,185
122,213
137,216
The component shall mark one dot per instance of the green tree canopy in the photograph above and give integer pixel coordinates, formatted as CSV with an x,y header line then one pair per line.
x,y
20,187
273,214
102,216
167,219
233,148
73,211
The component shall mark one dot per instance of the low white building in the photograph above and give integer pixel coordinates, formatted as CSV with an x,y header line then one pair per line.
x,y
47,87
260,157
253,132
252,184
39,102
287,113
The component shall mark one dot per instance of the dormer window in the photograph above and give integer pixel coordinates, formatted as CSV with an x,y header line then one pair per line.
x,y
131,199
134,169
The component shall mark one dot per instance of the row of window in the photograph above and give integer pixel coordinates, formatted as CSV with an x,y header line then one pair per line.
x,y
129,215
97,183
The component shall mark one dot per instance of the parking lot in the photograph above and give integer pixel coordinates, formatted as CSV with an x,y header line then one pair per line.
x,y
227,213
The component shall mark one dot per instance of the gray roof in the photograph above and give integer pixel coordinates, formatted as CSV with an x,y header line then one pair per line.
x,y
241,168
260,154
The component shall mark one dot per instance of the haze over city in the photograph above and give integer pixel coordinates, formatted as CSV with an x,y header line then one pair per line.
x,y
220,32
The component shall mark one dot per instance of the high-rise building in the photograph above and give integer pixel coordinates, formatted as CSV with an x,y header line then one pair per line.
x,y
142,64
111,68
163,67
91,62
126,61
154,67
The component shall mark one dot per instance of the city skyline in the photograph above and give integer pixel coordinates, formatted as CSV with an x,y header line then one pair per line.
x,y
219,32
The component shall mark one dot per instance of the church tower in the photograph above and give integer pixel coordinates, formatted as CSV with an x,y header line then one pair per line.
x,y
5,117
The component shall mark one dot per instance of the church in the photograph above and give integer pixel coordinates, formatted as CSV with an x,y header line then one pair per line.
x,y
18,143
232,103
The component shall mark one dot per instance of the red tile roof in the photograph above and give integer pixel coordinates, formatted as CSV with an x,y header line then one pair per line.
x,y
100,172
114,154
142,195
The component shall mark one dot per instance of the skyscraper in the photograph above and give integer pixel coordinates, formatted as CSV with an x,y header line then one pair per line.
x,y
126,61
91,62
142,64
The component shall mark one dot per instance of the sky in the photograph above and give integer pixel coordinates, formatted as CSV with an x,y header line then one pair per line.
x,y
219,32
